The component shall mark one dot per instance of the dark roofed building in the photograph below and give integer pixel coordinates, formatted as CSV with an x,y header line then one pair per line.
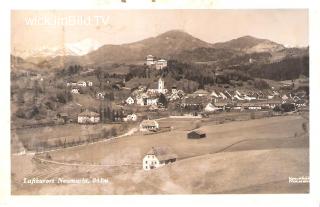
x,y
196,134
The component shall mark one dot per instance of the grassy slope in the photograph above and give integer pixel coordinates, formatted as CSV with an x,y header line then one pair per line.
x,y
254,156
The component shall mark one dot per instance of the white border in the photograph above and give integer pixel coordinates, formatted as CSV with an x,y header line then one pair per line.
x,y
290,200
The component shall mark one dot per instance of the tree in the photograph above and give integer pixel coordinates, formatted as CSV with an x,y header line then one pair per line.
x,y
163,100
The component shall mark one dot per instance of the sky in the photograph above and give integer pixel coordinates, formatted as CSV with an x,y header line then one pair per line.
x,y
43,28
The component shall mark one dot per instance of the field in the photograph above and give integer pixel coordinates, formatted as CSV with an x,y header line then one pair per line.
x,y
255,156
47,133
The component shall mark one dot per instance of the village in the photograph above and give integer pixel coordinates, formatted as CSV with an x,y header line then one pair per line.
x,y
143,105
164,110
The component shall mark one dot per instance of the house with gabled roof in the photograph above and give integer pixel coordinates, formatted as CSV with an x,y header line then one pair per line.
x,y
158,157
88,117
149,125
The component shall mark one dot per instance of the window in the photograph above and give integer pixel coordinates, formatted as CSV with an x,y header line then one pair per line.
x,y
146,161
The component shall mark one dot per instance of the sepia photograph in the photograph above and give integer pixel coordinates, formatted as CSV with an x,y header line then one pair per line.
x,y
153,102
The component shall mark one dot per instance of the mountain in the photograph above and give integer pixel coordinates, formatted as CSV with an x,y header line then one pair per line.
x,y
250,44
164,45
174,44
79,48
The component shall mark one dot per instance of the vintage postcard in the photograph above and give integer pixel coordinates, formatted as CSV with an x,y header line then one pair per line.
x,y
108,102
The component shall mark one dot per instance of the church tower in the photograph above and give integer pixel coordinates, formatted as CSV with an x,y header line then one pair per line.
x,y
160,85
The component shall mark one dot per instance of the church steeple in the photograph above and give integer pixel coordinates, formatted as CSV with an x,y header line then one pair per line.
x,y
160,84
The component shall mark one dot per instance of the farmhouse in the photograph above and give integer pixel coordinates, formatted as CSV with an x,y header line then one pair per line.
x,y
196,134
149,125
157,157
130,100
88,117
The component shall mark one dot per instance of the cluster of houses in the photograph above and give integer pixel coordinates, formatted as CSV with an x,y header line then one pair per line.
x,y
216,100
150,97
240,100
159,64
201,101
75,86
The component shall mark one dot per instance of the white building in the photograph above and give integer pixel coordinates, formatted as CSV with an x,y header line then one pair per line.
x,y
214,94
157,157
75,91
152,101
211,108
100,95
150,60
131,117
88,117
71,84
82,83
160,64
160,89
149,125
130,100
174,90
140,99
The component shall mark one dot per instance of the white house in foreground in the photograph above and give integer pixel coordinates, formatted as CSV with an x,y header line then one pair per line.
x,y
149,125
157,157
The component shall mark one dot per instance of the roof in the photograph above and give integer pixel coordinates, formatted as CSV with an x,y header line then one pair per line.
x,y
88,113
148,122
63,114
201,91
194,100
199,132
162,153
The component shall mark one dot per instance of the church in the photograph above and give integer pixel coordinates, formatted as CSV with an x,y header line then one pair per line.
x,y
160,88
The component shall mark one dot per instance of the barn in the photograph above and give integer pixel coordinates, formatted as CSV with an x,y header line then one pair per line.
x,y
196,134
